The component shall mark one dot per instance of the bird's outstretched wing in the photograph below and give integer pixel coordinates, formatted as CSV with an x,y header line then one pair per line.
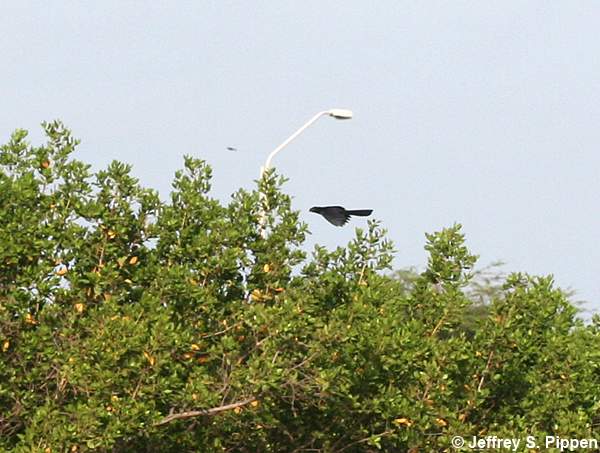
x,y
337,215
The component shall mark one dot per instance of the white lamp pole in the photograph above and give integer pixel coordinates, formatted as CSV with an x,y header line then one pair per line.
x,y
339,114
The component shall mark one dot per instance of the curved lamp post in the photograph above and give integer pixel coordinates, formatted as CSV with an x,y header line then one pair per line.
x,y
339,114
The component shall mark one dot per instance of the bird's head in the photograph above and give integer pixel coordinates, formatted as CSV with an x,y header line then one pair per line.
x,y
316,209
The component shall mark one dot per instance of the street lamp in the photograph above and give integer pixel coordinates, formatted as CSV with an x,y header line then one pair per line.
x,y
338,114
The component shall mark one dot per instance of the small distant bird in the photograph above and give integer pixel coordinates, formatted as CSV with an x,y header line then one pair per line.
x,y
338,216
231,148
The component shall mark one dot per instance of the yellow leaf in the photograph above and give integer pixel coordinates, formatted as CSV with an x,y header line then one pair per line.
x,y
133,260
79,308
256,294
403,422
202,359
462,417
30,319
254,403
441,422
5,345
111,234
279,290
266,268
237,410
62,271
151,360
194,347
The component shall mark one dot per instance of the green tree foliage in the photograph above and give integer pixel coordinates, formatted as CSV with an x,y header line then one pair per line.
x,y
132,324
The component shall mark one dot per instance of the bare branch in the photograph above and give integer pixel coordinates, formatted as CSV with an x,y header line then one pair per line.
x,y
203,412
485,371
437,326
366,439
221,332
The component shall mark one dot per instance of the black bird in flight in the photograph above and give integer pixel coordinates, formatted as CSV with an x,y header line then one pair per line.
x,y
231,148
338,216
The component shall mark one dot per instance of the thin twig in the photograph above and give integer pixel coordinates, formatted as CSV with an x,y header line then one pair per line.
x,y
137,388
251,351
203,412
362,274
221,332
366,439
437,326
485,371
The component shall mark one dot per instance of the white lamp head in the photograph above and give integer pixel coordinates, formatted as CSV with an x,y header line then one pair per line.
x,y
340,114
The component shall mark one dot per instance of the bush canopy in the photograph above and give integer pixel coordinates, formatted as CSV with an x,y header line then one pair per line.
x,y
128,323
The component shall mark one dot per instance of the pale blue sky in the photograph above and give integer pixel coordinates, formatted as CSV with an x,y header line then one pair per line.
x,y
483,113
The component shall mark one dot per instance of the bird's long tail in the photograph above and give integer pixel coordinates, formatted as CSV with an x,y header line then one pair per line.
x,y
361,212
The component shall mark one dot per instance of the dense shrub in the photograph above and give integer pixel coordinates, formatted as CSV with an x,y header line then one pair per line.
x,y
132,324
